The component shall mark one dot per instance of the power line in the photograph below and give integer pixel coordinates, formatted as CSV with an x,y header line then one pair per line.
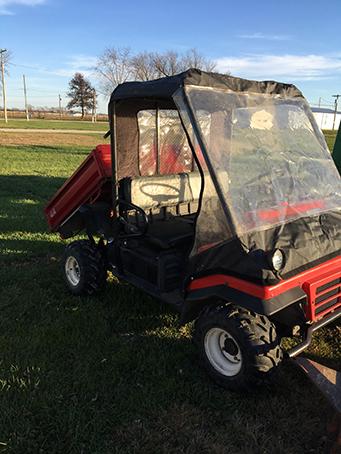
x,y
25,66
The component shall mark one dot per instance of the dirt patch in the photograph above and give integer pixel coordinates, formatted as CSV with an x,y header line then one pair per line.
x,y
28,138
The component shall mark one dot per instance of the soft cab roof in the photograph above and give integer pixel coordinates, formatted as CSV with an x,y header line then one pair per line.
x,y
165,87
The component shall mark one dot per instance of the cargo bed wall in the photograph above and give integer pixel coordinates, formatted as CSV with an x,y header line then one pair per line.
x,y
89,183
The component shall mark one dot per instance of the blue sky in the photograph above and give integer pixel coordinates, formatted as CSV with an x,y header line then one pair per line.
x,y
292,41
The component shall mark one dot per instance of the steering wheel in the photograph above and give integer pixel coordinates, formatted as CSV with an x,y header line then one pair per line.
x,y
137,228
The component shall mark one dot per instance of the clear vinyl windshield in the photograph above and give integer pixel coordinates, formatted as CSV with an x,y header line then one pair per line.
x,y
270,160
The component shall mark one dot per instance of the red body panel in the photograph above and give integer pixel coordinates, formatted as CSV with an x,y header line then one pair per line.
x,y
85,185
322,284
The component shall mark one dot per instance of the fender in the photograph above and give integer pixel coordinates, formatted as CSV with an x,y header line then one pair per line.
x,y
197,299
268,300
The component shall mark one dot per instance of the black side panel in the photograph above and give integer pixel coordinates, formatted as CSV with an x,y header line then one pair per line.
x,y
161,269
306,242
72,226
95,219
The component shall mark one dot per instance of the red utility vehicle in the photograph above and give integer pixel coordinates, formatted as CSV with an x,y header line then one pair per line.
x,y
217,195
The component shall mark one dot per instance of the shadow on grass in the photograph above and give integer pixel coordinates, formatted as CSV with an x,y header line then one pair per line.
x,y
333,363
26,186
28,251
23,227
112,373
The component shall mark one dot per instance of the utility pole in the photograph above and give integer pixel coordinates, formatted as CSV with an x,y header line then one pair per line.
x,y
319,101
2,51
335,111
25,95
94,119
60,106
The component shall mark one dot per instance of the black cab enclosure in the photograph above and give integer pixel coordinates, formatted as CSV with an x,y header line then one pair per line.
x,y
267,179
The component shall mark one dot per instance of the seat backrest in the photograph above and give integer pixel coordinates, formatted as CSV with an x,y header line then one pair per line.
x,y
160,191
176,193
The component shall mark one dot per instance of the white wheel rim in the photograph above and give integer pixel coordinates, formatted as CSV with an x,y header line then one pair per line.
x,y
223,352
72,271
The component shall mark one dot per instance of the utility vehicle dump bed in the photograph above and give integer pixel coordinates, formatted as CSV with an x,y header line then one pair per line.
x,y
90,182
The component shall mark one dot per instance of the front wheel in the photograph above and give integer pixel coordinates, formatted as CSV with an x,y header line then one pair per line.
x,y
84,268
239,348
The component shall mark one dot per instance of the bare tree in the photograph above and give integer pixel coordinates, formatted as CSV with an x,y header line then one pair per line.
x,y
193,59
113,68
117,65
143,66
168,63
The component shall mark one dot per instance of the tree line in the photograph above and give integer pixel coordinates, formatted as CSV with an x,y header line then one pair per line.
x,y
117,65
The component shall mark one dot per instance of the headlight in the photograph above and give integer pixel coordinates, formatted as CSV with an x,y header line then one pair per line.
x,y
277,260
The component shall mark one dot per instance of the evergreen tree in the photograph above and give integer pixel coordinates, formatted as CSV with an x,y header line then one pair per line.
x,y
81,93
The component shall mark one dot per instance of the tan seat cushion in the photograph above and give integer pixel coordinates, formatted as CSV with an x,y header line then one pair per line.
x,y
165,191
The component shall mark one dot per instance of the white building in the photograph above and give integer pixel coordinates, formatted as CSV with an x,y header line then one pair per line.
x,y
325,118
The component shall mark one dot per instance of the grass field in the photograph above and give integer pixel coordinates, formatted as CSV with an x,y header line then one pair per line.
x,y
113,373
330,138
54,124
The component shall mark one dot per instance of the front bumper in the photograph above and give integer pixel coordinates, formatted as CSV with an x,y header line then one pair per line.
x,y
309,333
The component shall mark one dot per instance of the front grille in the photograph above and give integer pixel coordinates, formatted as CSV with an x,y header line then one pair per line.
x,y
324,295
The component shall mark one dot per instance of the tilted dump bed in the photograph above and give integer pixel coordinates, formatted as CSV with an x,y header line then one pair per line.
x,y
90,182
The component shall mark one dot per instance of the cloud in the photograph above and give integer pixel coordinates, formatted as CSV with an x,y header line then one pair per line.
x,y
82,61
76,63
286,67
259,35
5,5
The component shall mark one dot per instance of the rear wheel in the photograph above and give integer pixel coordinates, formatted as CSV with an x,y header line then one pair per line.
x,y
238,348
84,268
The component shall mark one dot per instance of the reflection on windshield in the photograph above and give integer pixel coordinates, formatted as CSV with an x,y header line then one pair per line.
x,y
278,165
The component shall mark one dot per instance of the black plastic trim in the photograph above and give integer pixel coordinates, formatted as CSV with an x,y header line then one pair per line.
x,y
196,299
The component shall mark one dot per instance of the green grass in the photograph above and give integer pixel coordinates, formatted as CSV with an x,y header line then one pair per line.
x,y
54,124
330,138
113,373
